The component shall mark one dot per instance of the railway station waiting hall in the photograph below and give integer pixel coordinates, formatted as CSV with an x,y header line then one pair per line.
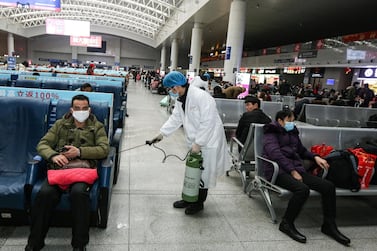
x,y
136,125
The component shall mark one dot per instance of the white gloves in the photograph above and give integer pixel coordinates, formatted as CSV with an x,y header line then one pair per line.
x,y
195,148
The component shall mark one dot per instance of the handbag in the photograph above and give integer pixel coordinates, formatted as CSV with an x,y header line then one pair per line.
x,y
77,163
76,170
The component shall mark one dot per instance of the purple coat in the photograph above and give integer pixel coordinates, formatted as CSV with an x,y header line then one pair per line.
x,y
285,148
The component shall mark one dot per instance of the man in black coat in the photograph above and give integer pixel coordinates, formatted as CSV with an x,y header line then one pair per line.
x,y
253,114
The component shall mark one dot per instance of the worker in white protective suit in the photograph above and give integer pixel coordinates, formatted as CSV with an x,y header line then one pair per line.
x,y
196,110
201,81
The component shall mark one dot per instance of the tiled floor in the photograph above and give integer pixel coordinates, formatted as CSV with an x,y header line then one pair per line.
x,y
142,216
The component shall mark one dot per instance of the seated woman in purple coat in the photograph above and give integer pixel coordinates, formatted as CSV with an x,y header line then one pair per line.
x,y
283,145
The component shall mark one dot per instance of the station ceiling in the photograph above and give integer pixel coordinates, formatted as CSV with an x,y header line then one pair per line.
x,y
269,23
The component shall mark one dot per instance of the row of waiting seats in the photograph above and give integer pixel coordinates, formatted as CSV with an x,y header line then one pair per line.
x,y
337,116
249,161
120,95
231,110
25,121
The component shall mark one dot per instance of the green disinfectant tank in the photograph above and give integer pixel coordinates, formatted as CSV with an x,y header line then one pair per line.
x,y
193,173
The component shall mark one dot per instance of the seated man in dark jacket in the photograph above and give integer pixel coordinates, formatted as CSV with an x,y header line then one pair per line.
x,y
78,135
283,145
253,114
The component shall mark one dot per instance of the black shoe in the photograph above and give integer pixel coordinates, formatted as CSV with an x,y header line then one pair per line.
x,y
331,230
80,249
290,230
194,208
181,204
32,248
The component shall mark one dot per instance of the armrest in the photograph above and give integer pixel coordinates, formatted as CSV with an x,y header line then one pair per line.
x,y
325,172
106,169
313,121
275,165
234,139
333,122
35,170
353,123
117,137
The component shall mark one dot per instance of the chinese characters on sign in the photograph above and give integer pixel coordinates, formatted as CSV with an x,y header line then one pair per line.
x,y
43,95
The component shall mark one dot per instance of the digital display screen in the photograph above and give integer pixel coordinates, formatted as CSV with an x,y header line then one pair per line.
x,y
92,41
67,27
330,81
53,5
101,49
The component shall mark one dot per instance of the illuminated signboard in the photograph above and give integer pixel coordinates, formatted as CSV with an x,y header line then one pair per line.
x,y
317,72
53,5
294,70
92,41
67,27
368,73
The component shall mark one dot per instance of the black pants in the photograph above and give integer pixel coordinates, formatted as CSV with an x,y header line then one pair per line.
x,y
301,192
47,199
202,195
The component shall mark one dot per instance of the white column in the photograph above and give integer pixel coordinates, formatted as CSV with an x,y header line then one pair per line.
x,y
10,44
163,58
174,54
75,58
117,52
196,48
234,40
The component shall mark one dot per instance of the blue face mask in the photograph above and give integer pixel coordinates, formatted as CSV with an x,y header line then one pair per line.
x,y
173,95
289,126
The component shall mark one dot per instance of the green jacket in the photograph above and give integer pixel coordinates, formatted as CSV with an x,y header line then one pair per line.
x,y
91,140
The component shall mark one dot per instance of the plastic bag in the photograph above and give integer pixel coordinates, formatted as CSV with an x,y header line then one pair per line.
x,y
322,150
365,165
165,101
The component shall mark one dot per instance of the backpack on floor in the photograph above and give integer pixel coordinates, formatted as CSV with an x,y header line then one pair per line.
x,y
343,170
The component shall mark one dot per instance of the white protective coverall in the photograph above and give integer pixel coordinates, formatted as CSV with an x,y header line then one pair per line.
x,y
203,126
198,82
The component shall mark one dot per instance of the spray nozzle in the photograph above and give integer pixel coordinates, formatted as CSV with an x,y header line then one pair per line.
x,y
150,142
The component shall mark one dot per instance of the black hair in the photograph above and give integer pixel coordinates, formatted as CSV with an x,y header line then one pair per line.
x,y
283,114
80,97
253,100
217,90
85,85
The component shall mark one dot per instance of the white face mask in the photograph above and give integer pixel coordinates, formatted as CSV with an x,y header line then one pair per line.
x,y
81,116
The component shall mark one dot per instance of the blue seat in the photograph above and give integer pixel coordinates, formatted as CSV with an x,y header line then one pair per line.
x,y
101,190
119,98
57,85
24,123
28,83
4,82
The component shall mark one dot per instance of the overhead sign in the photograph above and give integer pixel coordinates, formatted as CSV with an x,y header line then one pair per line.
x,y
227,52
317,72
308,54
356,54
11,61
368,73
53,5
67,27
92,41
360,36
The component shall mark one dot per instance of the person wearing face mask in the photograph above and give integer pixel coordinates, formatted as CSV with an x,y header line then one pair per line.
x,y
283,145
77,135
196,111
